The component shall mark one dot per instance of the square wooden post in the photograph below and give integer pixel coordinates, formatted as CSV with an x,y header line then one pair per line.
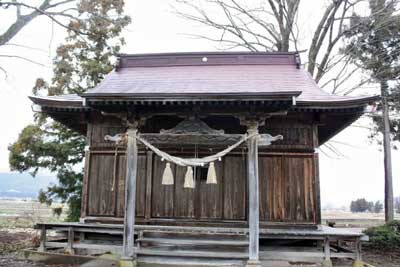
x,y
128,250
70,244
358,261
327,262
254,214
43,238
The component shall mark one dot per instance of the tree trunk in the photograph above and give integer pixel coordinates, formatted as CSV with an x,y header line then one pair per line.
x,y
389,215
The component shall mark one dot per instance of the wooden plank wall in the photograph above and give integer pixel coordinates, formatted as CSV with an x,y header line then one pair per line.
x,y
224,201
289,186
106,184
287,191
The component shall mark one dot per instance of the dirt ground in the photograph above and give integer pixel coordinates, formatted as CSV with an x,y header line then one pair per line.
x,y
376,257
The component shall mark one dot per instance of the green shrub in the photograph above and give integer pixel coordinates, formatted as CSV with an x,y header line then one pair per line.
x,y
387,235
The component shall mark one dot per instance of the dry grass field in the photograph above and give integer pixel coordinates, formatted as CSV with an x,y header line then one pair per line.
x,y
24,213
17,218
354,220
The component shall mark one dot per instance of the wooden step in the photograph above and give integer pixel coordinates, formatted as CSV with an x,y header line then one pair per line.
x,y
195,247
161,261
175,241
197,236
191,253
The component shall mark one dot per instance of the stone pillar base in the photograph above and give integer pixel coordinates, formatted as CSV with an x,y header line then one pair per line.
x,y
70,251
127,262
327,263
358,263
253,263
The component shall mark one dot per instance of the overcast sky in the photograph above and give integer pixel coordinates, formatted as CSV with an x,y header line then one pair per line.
x,y
359,173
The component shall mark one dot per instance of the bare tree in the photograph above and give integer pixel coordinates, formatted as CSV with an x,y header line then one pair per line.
x,y
64,13
272,26
25,13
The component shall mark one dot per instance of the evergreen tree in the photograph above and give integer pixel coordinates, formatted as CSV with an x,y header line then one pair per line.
x,y
397,204
361,205
378,207
374,45
80,63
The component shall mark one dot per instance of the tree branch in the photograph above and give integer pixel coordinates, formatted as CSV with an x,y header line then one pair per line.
x,y
22,20
4,71
24,58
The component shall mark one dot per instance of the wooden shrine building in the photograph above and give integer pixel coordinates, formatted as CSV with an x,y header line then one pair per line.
x,y
223,146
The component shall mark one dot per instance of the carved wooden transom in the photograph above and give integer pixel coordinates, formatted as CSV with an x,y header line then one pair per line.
x,y
192,126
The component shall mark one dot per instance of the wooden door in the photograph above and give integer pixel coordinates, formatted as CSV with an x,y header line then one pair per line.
x,y
209,196
206,202
185,198
140,185
162,197
287,188
272,189
235,188
101,187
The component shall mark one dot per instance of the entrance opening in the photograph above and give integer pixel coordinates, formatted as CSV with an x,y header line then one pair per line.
x,y
201,173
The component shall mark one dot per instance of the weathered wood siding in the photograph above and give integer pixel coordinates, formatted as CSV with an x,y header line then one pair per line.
x,y
235,188
225,200
101,185
286,186
288,179
140,184
106,184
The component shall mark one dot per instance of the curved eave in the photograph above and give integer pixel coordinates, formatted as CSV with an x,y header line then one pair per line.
x,y
66,110
59,103
74,103
335,115
351,103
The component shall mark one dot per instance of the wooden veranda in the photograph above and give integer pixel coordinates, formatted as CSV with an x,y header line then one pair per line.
x,y
203,245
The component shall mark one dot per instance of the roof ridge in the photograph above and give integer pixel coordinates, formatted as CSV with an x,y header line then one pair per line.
x,y
207,59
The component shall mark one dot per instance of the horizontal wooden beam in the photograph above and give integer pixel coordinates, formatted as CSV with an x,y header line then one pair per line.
x,y
105,247
198,139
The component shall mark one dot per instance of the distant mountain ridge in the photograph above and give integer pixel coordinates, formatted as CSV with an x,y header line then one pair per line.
x,y
23,185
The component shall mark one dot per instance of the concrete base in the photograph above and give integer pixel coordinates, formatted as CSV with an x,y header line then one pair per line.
x,y
253,263
327,263
358,263
127,262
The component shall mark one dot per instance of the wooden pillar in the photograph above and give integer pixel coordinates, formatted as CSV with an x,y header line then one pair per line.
x,y
128,252
70,244
149,176
43,238
327,252
254,214
357,259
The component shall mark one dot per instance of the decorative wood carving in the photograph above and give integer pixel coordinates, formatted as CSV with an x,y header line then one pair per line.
x,y
193,131
267,139
118,138
188,139
192,126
